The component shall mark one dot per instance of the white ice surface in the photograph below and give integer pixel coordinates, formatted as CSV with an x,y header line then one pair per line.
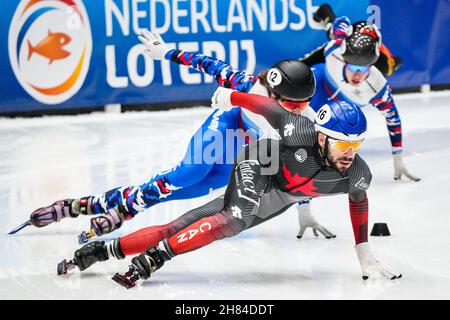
x,y
51,158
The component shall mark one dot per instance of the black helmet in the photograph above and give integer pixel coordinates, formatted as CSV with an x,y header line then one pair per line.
x,y
367,28
359,25
360,49
291,79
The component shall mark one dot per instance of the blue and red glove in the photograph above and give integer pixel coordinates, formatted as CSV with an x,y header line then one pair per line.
x,y
342,28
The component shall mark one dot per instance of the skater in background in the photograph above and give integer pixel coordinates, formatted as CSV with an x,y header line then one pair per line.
x,y
348,68
291,82
311,160
387,63
349,74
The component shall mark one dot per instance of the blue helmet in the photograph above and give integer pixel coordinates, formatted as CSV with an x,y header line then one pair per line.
x,y
342,121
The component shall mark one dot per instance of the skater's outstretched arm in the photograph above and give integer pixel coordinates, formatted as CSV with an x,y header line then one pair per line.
x,y
370,266
360,178
269,108
224,74
384,102
359,213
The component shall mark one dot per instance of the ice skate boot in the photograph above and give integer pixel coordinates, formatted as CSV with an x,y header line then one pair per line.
x,y
102,225
56,212
142,267
53,213
59,210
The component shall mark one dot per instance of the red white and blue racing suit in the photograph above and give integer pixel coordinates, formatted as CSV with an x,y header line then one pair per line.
x,y
331,84
193,177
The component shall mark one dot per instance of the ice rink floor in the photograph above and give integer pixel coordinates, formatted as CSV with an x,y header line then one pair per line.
x,y
51,158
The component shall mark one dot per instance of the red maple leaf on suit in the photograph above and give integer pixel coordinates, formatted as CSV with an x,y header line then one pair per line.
x,y
297,183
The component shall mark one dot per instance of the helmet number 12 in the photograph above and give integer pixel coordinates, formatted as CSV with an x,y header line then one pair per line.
x,y
274,77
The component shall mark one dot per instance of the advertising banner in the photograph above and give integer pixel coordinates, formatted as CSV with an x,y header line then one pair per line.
x,y
417,32
73,53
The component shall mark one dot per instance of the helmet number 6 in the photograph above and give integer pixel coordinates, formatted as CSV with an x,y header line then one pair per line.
x,y
322,114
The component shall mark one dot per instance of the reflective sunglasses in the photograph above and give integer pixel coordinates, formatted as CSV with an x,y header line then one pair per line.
x,y
354,68
344,146
292,105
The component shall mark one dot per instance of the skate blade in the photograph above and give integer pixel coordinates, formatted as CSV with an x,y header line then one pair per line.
x,y
124,281
23,225
64,266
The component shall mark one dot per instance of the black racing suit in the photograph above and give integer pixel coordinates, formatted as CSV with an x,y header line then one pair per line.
x,y
268,177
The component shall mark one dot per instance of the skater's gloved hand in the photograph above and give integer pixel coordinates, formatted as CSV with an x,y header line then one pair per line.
x,y
306,220
156,47
142,265
221,99
400,169
324,14
342,28
148,262
107,223
370,266
53,213
91,253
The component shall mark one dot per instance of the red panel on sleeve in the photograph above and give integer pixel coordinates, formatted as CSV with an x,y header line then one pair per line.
x,y
359,212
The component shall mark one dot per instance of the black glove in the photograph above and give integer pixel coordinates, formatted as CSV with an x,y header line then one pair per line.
x,y
148,262
90,253
324,14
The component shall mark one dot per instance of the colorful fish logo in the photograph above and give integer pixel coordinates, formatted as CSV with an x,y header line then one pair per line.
x,y
62,52
51,47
